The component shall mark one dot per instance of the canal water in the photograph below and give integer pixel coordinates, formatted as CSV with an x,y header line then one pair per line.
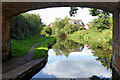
x,y
78,63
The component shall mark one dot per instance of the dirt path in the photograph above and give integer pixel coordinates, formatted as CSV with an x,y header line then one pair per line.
x,y
16,62
29,55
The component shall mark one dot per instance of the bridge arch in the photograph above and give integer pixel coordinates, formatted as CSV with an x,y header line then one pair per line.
x,y
11,9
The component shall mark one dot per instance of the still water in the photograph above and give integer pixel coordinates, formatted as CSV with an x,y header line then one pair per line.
x,y
80,63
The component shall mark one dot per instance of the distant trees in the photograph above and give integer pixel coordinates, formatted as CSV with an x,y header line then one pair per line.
x,y
103,22
25,25
70,29
62,27
73,10
64,47
46,30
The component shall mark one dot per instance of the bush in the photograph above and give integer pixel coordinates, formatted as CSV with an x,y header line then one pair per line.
x,y
25,25
46,31
41,49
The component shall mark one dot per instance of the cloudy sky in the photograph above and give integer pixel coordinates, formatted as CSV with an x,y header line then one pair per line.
x,y
48,15
77,65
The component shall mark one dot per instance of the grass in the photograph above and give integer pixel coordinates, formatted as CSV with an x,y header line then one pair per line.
x,y
97,39
21,47
41,49
99,42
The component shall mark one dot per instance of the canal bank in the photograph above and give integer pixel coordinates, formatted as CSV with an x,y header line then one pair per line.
x,y
26,71
25,67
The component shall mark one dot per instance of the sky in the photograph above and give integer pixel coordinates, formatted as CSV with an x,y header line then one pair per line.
x,y
74,66
49,15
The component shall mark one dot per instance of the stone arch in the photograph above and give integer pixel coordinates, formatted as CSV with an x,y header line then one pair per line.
x,y
11,9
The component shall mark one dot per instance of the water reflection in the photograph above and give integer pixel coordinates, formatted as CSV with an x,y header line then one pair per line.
x,y
80,64
64,47
103,57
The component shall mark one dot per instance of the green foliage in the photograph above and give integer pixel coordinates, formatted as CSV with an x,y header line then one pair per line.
x,y
46,31
94,12
70,29
41,49
99,42
111,23
35,18
58,25
25,32
99,37
94,38
64,47
25,25
21,47
103,22
62,28
104,56
73,10
100,45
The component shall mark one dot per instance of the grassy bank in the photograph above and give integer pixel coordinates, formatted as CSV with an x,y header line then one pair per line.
x,y
95,39
42,48
21,47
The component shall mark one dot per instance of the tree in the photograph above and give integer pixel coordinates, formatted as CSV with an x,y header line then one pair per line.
x,y
58,26
70,29
46,31
103,21
94,12
73,10
36,20
25,25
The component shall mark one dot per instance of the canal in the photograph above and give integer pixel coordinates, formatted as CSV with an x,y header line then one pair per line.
x,y
75,60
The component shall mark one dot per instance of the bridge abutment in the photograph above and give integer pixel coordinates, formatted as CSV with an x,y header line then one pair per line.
x,y
116,46
6,47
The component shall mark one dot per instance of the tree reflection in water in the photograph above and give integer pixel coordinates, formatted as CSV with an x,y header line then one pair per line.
x,y
65,46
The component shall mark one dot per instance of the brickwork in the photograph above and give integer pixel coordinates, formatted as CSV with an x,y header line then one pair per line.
x,y
119,34
115,36
117,62
116,43
5,39
119,46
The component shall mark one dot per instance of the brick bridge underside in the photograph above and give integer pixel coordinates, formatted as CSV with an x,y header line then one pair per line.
x,y
11,9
